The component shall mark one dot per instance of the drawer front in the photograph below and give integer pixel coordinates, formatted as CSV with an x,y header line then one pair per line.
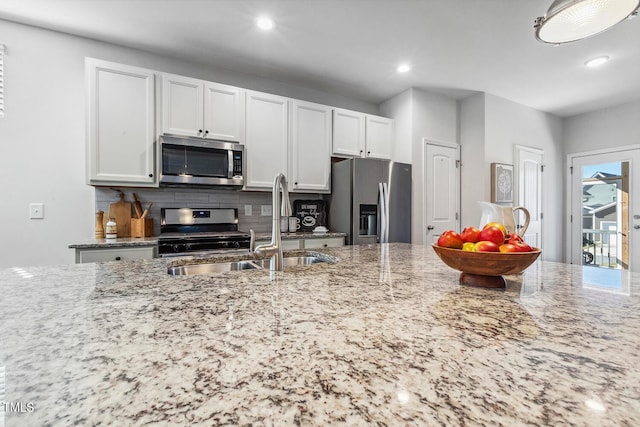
x,y
330,242
116,254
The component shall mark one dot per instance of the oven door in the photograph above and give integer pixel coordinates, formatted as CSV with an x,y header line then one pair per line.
x,y
198,161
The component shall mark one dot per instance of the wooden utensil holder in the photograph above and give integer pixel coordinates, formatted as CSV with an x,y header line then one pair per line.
x,y
141,227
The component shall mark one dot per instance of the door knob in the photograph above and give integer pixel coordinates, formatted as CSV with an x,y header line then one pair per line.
x,y
430,227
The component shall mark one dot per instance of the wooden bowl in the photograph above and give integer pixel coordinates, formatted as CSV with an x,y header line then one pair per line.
x,y
485,269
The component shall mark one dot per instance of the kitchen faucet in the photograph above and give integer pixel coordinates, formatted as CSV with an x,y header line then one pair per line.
x,y
274,248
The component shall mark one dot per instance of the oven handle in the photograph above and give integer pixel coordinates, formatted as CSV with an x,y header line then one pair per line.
x,y
230,169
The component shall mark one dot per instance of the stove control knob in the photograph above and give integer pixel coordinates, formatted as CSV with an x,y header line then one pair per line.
x,y
236,244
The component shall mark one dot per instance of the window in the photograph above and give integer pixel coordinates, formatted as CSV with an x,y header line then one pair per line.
x,y
1,80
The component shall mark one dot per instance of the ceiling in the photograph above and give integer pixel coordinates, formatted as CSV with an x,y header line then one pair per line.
x,y
352,47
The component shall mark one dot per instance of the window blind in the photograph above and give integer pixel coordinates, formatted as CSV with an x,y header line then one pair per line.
x,y
1,80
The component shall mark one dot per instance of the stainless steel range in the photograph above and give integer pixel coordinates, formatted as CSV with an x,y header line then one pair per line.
x,y
195,231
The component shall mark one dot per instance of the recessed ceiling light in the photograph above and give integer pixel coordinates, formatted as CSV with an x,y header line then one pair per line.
x,y
595,62
403,68
265,23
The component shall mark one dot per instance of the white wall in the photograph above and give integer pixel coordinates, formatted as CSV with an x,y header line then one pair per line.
x,y
508,124
42,136
420,114
474,174
607,128
399,108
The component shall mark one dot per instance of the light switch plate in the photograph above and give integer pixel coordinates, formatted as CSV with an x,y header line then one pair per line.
x,y
248,211
266,210
36,210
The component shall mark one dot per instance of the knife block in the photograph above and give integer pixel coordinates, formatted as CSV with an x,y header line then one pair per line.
x,y
141,227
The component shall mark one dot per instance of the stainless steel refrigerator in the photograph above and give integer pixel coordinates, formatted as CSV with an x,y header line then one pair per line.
x,y
370,201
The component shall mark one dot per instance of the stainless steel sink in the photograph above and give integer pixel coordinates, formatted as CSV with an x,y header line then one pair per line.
x,y
216,267
291,261
222,267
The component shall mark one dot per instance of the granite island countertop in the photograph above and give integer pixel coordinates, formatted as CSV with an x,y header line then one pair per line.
x,y
386,336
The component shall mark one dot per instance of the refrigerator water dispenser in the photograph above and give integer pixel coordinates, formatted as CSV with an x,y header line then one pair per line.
x,y
368,220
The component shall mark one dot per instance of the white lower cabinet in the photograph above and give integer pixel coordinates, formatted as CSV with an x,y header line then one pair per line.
x,y
120,108
115,254
329,242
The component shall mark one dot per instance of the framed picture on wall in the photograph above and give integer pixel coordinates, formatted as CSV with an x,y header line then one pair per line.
x,y
501,183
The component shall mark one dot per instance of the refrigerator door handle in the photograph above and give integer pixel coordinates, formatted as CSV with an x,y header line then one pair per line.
x,y
385,186
383,219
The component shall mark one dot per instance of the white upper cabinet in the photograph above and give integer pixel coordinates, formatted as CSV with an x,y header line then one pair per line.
x,y
266,139
348,133
193,107
379,134
120,108
361,135
310,148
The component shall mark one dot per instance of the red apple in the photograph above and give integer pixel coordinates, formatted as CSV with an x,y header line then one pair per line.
x,y
522,247
513,238
496,224
486,246
470,234
492,234
508,247
450,239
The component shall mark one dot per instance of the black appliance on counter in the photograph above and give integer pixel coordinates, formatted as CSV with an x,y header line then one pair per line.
x,y
200,231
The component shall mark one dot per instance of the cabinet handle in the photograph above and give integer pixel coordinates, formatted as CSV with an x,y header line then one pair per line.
x,y
150,175
206,132
295,183
118,258
368,153
361,152
199,131
325,245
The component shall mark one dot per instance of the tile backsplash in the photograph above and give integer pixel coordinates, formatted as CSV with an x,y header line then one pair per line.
x,y
178,197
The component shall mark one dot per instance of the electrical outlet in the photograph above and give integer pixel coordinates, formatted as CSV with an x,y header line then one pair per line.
x,y
266,210
36,210
248,211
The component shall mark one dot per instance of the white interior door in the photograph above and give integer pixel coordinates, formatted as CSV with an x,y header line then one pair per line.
x,y
442,190
588,222
529,163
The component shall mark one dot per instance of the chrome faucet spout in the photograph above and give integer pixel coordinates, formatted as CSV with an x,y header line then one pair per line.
x,y
280,206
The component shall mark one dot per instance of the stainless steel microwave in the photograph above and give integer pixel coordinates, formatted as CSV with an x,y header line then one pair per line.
x,y
199,161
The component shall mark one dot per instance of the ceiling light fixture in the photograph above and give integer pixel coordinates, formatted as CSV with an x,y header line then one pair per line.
x,y
594,62
571,20
266,23
403,68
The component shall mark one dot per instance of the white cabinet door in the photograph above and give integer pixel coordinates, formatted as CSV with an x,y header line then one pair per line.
x,y
310,147
120,124
115,254
223,112
348,133
182,105
265,139
328,242
379,132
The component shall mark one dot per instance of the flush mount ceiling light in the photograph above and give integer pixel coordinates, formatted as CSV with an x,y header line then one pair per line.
x,y
571,20
265,23
403,68
595,62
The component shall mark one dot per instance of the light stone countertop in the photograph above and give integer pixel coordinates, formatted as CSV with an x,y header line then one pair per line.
x,y
384,336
